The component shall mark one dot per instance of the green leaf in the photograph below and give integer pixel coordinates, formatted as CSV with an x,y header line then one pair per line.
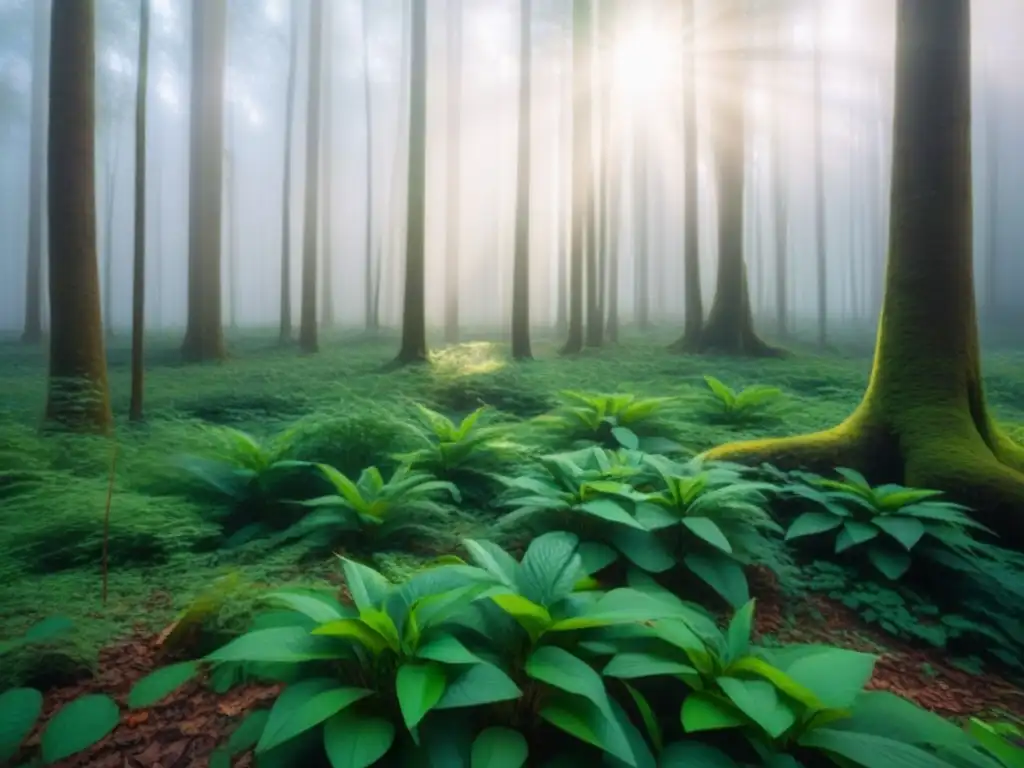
x,y
419,688
646,711
559,668
707,712
854,533
354,629
707,529
627,438
738,635
890,564
305,705
353,741
277,644
906,530
580,718
1010,755
550,568
156,685
644,549
248,733
478,685
446,649
19,710
869,751
760,701
319,608
630,666
723,575
78,725
534,618
612,511
812,523
367,587
47,629
498,747
692,754
493,559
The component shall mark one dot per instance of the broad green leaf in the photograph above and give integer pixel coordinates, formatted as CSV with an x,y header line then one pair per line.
x,y
248,733
635,665
381,623
627,438
779,679
550,568
760,701
580,718
478,685
854,533
693,754
707,529
47,629
354,741
560,669
494,560
708,712
367,587
161,683
319,608
738,634
596,557
78,725
498,747
534,618
906,530
276,644
446,649
19,710
1010,755
891,564
305,705
869,751
650,720
812,523
419,688
612,511
644,549
881,713
353,629
723,575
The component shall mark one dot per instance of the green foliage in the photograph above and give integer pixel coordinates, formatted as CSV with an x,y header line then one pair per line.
x,y
466,446
75,727
370,513
738,407
886,523
1004,741
612,421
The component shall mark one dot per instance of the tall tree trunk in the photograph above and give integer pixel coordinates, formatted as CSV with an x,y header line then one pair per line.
x,y
397,229
204,338
691,214
614,246
371,317
139,267
454,173
641,227
231,195
32,332
414,321
113,155
77,396
285,325
581,162
990,300
818,150
780,201
327,208
923,421
563,172
596,256
521,266
157,248
308,328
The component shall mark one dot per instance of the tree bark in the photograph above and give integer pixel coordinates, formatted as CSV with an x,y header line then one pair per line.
x,y
414,321
33,328
454,173
521,265
114,154
563,172
923,421
818,150
326,209
370,318
990,301
78,397
641,228
308,341
780,201
285,325
139,267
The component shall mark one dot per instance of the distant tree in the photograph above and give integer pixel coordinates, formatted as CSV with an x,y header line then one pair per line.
x,y
923,421
308,330
33,328
285,326
581,166
414,320
597,257
521,266
454,173
204,338
818,152
326,209
370,290
641,226
780,197
78,397
139,266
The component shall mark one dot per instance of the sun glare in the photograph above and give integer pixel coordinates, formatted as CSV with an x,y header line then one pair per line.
x,y
644,65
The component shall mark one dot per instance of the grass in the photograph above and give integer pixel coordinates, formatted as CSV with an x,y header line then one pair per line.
x,y
163,546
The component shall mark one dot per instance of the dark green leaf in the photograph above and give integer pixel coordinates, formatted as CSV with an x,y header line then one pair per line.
x,y
161,683
19,710
78,725
419,687
354,741
498,747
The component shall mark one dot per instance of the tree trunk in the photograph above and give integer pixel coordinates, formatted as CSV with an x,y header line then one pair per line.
x,y
285,325
923,421
563,172
231,195
204,339
77,397
308,329
108,233
818,152
691,214
139,267
990,300
596,261
641,228
581,160
521,266
327,210
780,200
454,173
33,328
614,230
371,318
414,321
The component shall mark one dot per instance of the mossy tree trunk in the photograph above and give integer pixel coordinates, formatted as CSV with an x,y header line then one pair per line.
x,y
78,397
139,265
204,338
453,222
414,321
581,167
285,321
308,332
923,421
521,259
32,332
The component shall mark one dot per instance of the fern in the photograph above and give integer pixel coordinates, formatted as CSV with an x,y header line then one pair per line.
x,y
746,405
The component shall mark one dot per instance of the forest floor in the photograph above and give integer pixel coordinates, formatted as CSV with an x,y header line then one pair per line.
x,y
164,548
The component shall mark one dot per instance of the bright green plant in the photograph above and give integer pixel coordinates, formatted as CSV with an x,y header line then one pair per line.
x,y
449,446
739,406
77,726
612,420
1004,741
374,512
887,523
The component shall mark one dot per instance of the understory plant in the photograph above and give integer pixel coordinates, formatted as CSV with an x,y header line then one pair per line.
x,y
612,421
1004,741
74,728
739,406
886,524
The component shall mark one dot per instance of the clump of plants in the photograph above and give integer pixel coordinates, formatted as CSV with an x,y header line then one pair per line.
x,y
1003,741
724,404
613,421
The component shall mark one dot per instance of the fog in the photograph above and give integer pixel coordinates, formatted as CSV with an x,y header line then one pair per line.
x,y
370,55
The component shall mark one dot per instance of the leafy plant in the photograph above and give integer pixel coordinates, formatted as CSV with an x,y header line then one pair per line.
x,y
743,405
371,512
75,727
886,523
1004,741
612,420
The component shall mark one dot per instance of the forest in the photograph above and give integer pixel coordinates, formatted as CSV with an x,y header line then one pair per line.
x,y
503,383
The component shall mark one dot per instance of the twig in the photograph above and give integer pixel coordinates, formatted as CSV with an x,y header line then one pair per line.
x,y
106,519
